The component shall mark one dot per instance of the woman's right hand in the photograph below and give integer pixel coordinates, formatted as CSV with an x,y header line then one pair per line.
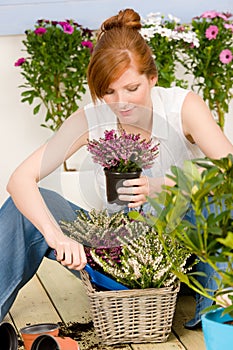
x,y
68,252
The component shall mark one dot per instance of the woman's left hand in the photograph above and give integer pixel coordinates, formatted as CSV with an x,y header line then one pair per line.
x,y
134,191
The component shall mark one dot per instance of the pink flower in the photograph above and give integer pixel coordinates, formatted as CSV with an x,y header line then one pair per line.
x,y
228,26
20,61
214,14
211,32
40,31
67,28
224,17
88,44
226,56
210,14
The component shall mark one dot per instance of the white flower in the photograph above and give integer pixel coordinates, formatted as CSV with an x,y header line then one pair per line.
x,y
153,24
173,18
153,18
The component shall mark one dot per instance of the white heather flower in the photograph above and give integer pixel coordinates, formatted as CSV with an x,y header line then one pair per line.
x,y
136,268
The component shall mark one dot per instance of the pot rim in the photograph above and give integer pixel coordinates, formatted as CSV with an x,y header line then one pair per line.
x,y
106,170
39,327
207,317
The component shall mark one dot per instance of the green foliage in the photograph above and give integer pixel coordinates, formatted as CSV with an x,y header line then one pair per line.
x,y
55,68
211,63
163,36
209,194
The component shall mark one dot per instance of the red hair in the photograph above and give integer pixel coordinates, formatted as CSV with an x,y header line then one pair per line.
x,y
119,44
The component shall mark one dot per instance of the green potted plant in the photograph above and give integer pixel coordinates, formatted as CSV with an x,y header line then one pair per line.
x,y
211,64
209,193
131,253
54,68
122,156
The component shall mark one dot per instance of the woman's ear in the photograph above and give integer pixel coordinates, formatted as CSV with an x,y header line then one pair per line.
x,y
153,80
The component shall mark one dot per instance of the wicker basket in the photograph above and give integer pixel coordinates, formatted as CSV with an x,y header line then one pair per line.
x,y
131,316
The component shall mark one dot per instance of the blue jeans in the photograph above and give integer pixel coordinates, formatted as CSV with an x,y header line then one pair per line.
x,y
22,249
22,246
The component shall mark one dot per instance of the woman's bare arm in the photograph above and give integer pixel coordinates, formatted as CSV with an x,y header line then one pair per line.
x,y
24,191
200,126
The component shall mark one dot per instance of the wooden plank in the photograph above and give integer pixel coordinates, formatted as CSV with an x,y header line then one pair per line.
x,y
171,344
32,305
66,291
191,339
8,319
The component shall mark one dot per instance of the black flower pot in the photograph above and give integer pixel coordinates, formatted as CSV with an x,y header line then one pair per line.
x,y
114,180
8,337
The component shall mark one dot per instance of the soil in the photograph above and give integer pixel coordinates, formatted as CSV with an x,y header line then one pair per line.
x,y
83,333
229,322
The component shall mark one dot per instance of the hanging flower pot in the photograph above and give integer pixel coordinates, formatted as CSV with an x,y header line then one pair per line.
x,y
8,337
114,180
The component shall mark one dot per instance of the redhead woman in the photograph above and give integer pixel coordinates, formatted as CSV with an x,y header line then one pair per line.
x,y
122,79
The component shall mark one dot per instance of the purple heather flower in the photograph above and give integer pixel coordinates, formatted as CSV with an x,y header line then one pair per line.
x,y
20,61
67,28
40,31
211,32
109,135
116,151
88,44
226,56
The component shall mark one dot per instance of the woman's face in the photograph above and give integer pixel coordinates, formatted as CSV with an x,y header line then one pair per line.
x,y
130,96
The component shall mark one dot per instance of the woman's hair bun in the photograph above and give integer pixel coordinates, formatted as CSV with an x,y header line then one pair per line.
x,y
125,18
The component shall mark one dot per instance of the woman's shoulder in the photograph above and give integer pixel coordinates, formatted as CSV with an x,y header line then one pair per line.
x,y
171,98
173,92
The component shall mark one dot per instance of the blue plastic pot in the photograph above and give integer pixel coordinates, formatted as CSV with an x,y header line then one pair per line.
x,y
102,281
217,335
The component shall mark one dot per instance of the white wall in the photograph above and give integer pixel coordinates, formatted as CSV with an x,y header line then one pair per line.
x,y
22,14
20,131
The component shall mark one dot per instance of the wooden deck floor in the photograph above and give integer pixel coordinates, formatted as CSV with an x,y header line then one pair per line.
x,y
56,295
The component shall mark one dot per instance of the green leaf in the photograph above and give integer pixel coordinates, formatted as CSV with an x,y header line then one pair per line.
x,y
228,241
36,109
